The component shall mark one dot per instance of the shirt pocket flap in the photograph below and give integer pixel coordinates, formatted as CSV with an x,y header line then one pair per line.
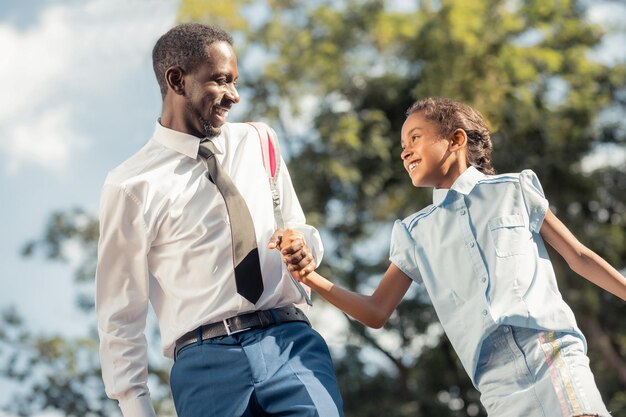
x,y
509,234
513,220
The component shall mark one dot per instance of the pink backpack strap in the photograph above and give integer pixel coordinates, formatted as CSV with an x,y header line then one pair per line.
x,y
270,152
269,148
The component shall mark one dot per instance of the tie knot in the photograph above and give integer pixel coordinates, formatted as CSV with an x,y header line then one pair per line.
x,y
208,149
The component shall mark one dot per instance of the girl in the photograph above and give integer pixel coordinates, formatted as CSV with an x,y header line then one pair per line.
x,y
479,251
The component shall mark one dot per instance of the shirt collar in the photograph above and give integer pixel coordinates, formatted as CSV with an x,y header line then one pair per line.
x,y
463,185
180,142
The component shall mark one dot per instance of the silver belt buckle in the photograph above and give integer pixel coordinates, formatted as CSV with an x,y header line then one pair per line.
x,y
231,332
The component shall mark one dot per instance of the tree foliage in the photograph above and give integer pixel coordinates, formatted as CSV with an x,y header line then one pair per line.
x,y
335,79
53,372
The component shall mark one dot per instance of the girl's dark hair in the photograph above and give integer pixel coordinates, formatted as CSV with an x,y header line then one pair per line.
x,y
450,115
184,46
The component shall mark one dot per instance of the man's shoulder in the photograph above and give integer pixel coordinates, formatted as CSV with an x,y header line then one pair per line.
x,y
134,166
243,130
237,128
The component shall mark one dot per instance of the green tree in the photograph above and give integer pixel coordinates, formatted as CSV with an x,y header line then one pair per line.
x,y
59,373
335,78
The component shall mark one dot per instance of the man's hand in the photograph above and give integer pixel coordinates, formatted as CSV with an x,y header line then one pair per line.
x,y
294,250
276,239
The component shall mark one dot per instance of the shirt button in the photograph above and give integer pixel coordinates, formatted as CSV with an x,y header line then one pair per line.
x,y
471,244
462,212
484,312
506,330
483,279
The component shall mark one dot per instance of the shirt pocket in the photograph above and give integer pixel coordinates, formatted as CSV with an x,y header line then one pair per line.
x,y
509,234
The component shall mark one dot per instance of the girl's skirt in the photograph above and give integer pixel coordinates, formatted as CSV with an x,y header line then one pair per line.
x,y
535,373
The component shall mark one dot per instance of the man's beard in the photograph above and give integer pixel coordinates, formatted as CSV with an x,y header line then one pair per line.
x,y
208,129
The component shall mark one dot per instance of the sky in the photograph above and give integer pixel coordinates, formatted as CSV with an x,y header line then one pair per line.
x,y
79,97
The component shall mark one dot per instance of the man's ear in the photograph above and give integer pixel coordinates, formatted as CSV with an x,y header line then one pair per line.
x,y
175,78
458,140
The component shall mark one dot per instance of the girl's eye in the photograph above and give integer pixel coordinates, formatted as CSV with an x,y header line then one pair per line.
x,y
414,138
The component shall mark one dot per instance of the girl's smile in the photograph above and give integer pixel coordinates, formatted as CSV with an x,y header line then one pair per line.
x,y
413,165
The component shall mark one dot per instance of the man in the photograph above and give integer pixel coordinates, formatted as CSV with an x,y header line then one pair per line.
x,y
168,236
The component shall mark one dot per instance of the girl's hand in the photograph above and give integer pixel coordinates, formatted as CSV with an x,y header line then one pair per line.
x,y
295,252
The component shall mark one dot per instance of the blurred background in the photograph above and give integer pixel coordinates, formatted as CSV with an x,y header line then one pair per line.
x,y
334,78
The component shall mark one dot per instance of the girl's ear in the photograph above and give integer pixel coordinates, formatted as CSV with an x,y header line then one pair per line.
x,y
458,140
175,78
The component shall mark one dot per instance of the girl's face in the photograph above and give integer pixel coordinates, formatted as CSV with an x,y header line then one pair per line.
x,y
426,155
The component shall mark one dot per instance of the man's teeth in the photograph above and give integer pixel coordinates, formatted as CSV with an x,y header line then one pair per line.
x,y
412,166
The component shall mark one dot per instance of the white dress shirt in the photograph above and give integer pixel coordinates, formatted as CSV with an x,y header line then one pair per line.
x,y
165,240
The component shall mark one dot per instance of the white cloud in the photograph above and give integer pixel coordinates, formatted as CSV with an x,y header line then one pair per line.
x,y
47,140
76,54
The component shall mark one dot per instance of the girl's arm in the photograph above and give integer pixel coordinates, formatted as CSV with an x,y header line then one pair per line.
x,y
372,310
581,259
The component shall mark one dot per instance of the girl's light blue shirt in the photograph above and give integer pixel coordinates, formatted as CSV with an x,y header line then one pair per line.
x,y
478,252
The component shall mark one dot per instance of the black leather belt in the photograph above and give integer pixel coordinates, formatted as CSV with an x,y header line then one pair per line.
x,y
237,324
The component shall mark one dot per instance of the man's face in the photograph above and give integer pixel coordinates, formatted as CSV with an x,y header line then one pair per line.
x,y
210,91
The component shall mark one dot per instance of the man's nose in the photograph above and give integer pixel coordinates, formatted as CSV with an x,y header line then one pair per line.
x,y
232,94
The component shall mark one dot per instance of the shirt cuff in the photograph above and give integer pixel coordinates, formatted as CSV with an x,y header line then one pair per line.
x,y
137,407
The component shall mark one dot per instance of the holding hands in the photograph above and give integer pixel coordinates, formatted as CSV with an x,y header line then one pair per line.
x,y
294,251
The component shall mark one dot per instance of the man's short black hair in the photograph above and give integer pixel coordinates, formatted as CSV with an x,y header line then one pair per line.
x,y
184,46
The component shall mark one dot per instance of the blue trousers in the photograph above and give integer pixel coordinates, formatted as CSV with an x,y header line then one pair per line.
x,y
284,370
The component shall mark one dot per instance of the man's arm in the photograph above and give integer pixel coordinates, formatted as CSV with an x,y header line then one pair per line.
x,y
294,218
122,292
581,259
